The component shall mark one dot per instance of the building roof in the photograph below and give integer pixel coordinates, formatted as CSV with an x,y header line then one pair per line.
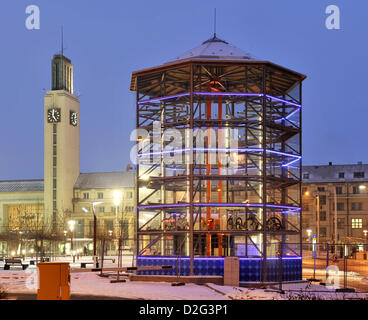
x,y
105,180
21,185
330,173
214,51
217,49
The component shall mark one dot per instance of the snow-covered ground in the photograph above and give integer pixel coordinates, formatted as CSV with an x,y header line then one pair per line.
x,y
88,283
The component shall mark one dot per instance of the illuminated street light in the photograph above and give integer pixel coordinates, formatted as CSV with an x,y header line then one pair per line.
x,y
94,203
71,224
117,199
309,232
117,196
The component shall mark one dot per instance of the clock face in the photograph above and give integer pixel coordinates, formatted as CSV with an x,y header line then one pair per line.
x,y
73,118
53,115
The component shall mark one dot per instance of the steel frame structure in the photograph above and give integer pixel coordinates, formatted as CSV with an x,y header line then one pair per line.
x,y
201,209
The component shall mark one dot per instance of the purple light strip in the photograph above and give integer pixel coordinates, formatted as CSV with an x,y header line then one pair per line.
x,y
217,258
220,94
163,98
196,204
290,163
239,94
140,155
284,101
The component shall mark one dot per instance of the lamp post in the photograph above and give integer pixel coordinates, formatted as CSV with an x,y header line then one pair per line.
x,y
71,224
335,222
318,222
117,198
65,233
95,203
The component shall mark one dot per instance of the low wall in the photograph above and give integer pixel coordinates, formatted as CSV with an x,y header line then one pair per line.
x,y
250,269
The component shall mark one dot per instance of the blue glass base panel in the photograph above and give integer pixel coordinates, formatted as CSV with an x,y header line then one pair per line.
x,y
250,269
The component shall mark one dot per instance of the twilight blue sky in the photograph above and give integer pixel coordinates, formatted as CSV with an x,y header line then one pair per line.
x,y
107,40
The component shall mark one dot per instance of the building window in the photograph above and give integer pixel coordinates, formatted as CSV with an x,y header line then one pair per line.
x,y
101,209
54,184
357,206
341,175
109,225
54,172
112,209
85,195
322,200
86,209
54,139
54,204
340,206
338,190
322,232
322,216
54,194
358,174
100,195
306,176
54,151
129,195
54,161
340,223
321,189
356,190
91,227
124,229
356,223
305,207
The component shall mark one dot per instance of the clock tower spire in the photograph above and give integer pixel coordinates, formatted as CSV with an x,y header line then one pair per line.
x,y
61,144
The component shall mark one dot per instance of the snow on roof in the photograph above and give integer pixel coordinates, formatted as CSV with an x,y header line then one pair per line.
x,y
215,48
331,173
105,180
21,185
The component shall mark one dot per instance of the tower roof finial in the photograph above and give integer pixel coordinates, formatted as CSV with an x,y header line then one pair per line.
x,y
62,41
214,26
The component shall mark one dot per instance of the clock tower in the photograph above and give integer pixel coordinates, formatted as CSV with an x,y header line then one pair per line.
x,y
61,144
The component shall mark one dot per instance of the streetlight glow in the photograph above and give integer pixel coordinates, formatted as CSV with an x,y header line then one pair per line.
x,y
71,224
117,196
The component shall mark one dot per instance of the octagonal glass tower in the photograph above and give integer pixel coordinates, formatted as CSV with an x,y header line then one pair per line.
x,y
219,164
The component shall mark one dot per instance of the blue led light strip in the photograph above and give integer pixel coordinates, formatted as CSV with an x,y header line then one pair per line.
x,y
140,155
217,258
235,94
196,204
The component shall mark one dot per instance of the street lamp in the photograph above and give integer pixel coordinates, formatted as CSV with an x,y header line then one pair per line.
x,y
309,232
95,203
117,199
71,224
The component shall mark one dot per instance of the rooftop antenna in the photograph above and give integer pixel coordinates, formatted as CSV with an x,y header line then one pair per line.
x,y
62,41
214,26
